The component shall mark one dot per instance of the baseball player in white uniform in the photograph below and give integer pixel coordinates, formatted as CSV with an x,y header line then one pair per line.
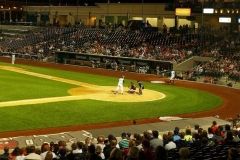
x,y
120,85
172,76
13,58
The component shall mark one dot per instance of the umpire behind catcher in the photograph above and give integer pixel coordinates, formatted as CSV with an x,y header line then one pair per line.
x,y
141,87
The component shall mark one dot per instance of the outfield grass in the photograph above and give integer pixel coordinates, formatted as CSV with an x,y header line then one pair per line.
x,y
14,86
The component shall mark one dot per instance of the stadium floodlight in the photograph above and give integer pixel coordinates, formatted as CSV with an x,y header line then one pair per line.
x,y
225,20
183,11
208,10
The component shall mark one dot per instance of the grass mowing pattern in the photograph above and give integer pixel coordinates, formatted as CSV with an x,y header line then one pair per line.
x,y
179,100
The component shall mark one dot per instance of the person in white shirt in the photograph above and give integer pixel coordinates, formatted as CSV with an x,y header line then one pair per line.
x,y
172,76
120,85
45,148
31,154
13,58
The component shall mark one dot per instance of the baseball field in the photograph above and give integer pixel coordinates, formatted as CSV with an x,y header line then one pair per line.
x,y
33,97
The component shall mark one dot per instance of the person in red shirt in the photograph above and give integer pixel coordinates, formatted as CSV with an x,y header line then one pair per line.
x,y
214,127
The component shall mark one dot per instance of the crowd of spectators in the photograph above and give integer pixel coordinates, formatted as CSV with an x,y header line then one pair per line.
x,y
226,54
215,143
118,42
222,66
169,45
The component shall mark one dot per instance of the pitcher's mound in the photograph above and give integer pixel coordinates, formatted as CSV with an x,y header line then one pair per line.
x,y
106,93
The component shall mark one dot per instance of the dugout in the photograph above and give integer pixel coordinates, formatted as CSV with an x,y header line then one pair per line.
x,y
102,61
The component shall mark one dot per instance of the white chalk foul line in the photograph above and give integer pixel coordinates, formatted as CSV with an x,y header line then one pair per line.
x,y
40,101
54,78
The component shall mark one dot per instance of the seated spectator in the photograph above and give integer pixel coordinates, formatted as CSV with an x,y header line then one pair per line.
x,y
138,140
229,139
133,153
45,148
62,154
170,145
188,136
176,136
155,141
233,154
214,127
210,133
124,142
77,151
181,143
184,153
100,143
31,153
110,144
92,155
217,137
146,152
14,154
196,128
22,154
49,156
161,153
5,154
116,154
